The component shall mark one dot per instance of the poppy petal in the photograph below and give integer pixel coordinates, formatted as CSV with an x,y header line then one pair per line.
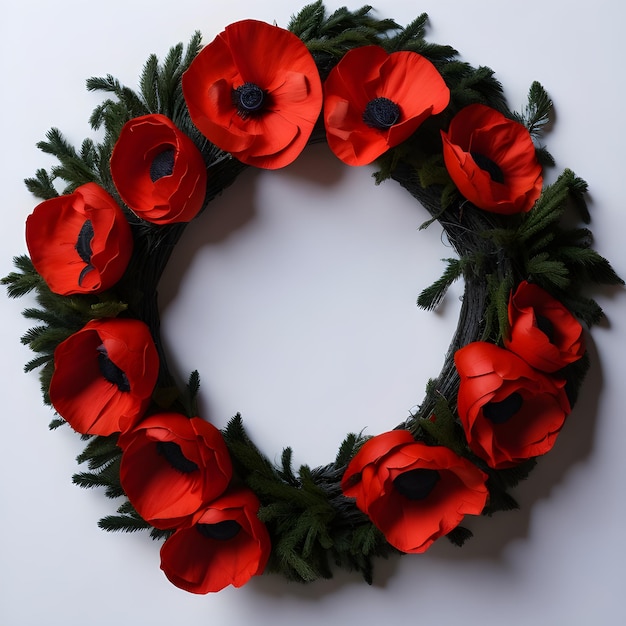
x,y
366,75
274,135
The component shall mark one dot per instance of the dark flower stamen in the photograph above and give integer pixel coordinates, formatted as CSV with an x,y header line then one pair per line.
x,y
175,457
489,166
83,243
222,531
416,484
112,372
503,411
83,247
162,164
381,113
546,327
249,98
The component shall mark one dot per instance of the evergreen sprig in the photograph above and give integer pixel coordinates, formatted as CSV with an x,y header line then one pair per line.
x,y
58,316
306,515
560,258
431,297
107,476
537,113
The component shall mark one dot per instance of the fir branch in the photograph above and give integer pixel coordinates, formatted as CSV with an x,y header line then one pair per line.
x,y
537,112
189,399
41,185
25,280
544,157
415,31
308,22
107,476
459,536
286,472
169,79
496,321
547,272
244,453
329,38
56,423
469,85
499,500
148,83
412,38
45,338
348,449
432,171
100,452
512,476
72,168
551,206
39,361
123,523
128,520
126,96
107,308
431,297
584,308
587,265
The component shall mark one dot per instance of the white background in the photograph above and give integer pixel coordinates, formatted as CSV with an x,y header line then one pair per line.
x,y
294,297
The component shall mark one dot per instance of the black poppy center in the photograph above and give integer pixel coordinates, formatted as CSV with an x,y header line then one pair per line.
x,y
503,411
83,248
162,164
110,371
83,243
249,98
545,326
489,166
222,531
416,484
175,457
381,113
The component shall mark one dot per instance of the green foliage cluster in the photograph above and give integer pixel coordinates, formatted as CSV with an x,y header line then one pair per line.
x,y
311,524
57,317
313,527
536,246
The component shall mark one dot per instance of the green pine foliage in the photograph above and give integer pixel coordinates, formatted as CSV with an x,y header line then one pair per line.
x,y
339,32
560,258
311,525
57,317
431,297
537,112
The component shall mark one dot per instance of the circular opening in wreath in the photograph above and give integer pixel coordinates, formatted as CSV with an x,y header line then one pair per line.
x,y
294,296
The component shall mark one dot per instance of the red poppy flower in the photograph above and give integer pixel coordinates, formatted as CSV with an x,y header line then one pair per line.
x,y
79,242
255,92
158,171
543,331
104,376
492,160
412,492
374,100
226,545
172,466
510,412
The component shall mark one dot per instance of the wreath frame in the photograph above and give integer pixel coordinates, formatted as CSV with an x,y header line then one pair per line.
x,y
312,524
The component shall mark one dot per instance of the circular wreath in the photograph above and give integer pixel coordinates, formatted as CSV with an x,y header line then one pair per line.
x,y
376,92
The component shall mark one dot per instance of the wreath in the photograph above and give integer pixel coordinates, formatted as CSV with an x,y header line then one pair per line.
x,y
375,92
